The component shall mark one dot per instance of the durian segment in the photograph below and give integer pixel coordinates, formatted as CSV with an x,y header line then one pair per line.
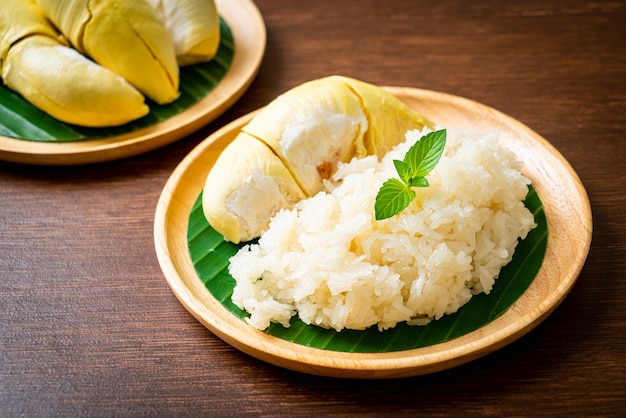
x,y
37,63
246,186
69,17
194,25
389,118
125,36
312,128
308,130
66,85
18,20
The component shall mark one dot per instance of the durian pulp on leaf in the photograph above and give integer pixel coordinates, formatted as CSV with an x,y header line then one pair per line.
x,y
125,36
310,129
45,73
245,187
37,63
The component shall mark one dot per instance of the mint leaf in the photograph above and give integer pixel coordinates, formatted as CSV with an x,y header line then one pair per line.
x,y
392,198
419,182
395,195
424,155
404,171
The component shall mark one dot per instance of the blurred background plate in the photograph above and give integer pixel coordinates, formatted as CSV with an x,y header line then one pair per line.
x,y
28,135
567,215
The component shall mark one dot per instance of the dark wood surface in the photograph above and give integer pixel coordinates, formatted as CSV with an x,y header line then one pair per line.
x,y
89,326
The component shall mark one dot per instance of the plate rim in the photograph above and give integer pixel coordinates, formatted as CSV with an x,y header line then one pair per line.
x,y
250,38
187,180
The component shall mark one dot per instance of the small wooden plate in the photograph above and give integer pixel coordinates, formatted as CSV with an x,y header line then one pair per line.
x,y
249,35
568,215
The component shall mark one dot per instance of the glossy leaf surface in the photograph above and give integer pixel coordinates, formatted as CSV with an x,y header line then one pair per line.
x,y
210,253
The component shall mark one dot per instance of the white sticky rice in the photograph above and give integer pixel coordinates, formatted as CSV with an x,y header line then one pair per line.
x,y
330,262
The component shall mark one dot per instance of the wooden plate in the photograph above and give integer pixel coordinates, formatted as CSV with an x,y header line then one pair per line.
x,y
248,30
568,216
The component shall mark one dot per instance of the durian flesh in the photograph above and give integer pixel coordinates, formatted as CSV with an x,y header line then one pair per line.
x,y
307,131
20,19
125,36
194,26
312,128
247,183
37,63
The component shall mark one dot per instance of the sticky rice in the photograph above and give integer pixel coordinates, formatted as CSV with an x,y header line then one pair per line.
x,y
330,262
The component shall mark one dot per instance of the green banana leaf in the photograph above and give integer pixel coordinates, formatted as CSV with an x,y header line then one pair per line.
x,y
21,120
209,253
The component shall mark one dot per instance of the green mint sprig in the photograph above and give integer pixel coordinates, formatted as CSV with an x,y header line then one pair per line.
x,y
395,195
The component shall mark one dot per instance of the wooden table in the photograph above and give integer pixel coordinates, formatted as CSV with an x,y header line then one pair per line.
x,y
89,326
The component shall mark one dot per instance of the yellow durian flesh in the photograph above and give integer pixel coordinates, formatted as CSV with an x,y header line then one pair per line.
x,y
194,26
69,16
312,128
36,62
125,36
246,186
389,117
66,85
18,20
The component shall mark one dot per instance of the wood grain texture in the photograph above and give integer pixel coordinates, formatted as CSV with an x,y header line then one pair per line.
x,y
89,325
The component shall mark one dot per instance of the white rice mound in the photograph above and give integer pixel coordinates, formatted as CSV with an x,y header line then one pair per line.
x,y
330,262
